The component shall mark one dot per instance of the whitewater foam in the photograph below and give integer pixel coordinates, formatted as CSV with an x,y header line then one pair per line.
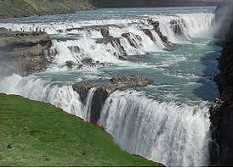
x,y
85,35
176,135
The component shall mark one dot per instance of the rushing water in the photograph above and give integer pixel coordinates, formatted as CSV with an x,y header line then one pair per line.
x,y
165,122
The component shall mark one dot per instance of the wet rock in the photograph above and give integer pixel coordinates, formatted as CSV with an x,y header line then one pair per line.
x,y
155,24
87,61
131,39
149,34
169,45
3,29
138,37
90,62
104,88
82,89
105,32
70,64
24,52
99,97
116,43
95,27
176,26
74,49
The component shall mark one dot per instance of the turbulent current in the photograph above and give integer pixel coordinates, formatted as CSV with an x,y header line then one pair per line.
x,y
168,121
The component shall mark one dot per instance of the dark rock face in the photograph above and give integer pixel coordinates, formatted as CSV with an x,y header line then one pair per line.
x,y
88,61
99,97
221,114
104,88
24,52
70,64
149,34
131,39
104,29
169,45
105,32
176,26
116,43
74,49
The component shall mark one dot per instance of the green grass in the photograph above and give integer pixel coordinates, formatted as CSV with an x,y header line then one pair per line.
x,y
38,134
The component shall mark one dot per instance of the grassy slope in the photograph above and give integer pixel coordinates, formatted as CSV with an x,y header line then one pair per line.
x,y
38,134
20,8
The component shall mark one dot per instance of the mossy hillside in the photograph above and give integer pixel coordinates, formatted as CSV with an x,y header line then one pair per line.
x,y
38,134
22,8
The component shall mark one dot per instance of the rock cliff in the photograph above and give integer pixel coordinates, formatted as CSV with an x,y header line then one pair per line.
x,y
222,112
24,53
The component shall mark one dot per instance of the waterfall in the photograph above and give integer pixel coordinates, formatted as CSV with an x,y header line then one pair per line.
x,y
176,135
38,89
88,105
127,38
166,132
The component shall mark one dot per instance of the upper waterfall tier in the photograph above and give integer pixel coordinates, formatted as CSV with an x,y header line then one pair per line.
x,y
112,40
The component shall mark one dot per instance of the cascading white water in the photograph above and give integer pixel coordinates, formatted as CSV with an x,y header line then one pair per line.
x,y
176,135
193,25
88,105
46,91
166,132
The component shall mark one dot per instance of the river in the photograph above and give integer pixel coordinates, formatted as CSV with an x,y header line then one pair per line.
x,y
168,121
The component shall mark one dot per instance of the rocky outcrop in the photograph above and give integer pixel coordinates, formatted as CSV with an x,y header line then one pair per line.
x,y
177,26
169,45
114,41
102,28
24,52
104,88
221,114
131,38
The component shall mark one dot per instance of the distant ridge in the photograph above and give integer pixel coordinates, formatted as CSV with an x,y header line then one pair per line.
x,y
154,3
23,8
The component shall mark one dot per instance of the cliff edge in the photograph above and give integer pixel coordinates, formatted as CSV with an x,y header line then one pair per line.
x,y
221,114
